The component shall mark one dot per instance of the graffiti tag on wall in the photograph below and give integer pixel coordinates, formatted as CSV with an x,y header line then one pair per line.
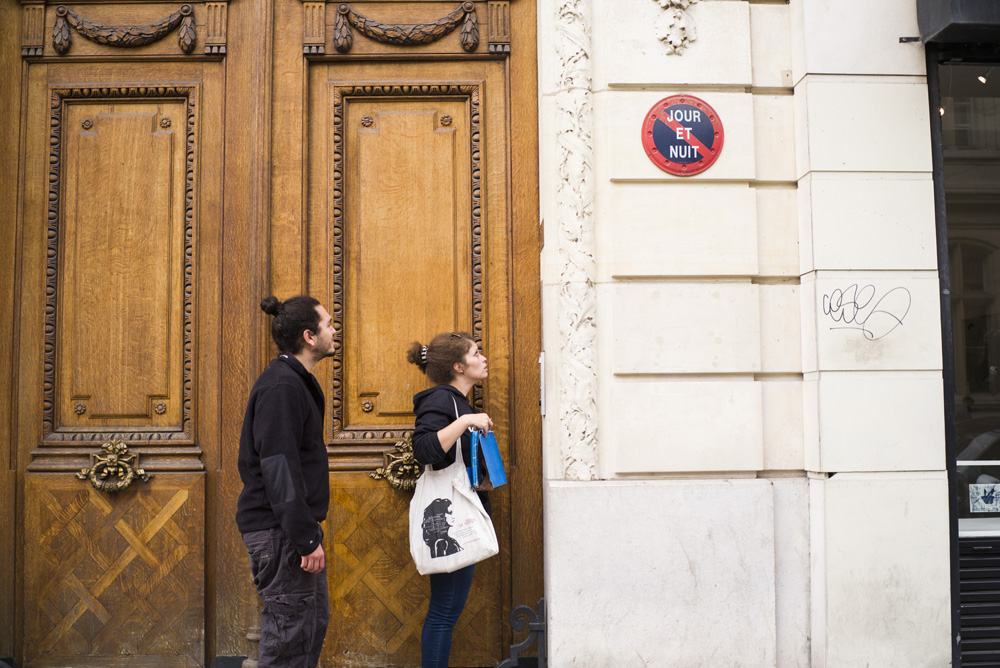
x,y
861,308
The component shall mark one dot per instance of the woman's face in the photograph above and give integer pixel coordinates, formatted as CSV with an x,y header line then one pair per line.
x,y
475,364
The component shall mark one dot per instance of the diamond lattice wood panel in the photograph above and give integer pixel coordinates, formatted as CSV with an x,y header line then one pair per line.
x,y
378,600
110,576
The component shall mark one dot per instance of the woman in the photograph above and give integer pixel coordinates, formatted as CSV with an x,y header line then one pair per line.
x,y
454,363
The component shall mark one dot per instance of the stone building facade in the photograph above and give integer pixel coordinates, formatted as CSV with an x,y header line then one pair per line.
x,y
744,426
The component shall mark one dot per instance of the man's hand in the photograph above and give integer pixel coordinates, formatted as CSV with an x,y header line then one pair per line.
x,y
314,563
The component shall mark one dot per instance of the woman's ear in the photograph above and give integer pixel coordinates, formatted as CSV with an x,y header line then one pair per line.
x,y
458,368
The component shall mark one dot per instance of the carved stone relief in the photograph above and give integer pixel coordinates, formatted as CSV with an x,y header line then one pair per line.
x,y
576,243
676,27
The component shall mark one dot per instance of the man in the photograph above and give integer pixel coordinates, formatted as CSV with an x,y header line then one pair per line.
x,y
286,488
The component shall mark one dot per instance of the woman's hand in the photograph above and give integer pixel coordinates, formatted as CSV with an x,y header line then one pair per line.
x,y
480,421
450,434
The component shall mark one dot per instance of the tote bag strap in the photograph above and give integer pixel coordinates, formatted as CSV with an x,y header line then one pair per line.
x,y
458,443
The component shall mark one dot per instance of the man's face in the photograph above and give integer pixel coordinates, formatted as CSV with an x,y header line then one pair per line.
x,y
322,344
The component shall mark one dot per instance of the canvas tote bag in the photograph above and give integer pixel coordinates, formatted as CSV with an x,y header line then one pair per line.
x,y
449,529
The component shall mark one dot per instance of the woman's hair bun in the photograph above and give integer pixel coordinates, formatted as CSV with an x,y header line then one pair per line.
x,y
270,305
438,358
414,355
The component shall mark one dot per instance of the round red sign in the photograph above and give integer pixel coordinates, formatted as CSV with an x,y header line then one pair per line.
x,y
682,135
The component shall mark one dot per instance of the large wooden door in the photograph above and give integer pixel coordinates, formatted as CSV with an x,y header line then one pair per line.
x,y
410,232
116,232
166,165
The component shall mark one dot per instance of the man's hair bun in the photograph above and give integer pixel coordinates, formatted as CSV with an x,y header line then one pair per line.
x,y
270,305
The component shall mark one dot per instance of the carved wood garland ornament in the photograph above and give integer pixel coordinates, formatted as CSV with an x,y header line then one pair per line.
x,y
128,36
405,35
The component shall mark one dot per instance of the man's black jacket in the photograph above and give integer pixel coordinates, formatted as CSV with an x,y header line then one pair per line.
x,y
282,460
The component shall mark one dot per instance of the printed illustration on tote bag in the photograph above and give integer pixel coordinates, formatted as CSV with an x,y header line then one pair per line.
x,y
438,520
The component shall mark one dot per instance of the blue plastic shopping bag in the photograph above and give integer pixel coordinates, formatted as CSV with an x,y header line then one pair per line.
x,y
486,446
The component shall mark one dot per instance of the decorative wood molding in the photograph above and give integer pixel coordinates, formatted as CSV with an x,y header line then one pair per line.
x,y
216,22
405,35
314,28
341,94
477,234
499,25
33,35
576,264
676,29
126,37
183,434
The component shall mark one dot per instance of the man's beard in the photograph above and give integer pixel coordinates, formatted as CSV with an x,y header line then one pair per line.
x,y
329,352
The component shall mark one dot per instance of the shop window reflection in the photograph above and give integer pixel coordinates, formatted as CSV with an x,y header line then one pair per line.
x,y
975,282
971,138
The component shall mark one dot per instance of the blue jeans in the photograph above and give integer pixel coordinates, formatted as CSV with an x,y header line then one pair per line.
x,y
448,594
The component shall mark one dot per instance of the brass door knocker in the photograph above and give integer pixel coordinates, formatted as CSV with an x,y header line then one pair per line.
x,y
402,470
113,471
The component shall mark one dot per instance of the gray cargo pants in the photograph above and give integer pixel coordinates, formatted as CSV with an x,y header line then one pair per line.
x,y
296,604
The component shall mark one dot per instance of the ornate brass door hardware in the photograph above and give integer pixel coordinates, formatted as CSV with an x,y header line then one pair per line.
x,y
402,470
113,471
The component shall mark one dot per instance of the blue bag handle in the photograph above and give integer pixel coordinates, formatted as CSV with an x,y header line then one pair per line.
x,y
473,467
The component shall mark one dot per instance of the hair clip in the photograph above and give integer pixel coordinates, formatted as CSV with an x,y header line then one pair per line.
x,y
423,354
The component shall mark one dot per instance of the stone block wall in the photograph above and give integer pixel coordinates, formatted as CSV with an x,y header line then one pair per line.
x,y
744,436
